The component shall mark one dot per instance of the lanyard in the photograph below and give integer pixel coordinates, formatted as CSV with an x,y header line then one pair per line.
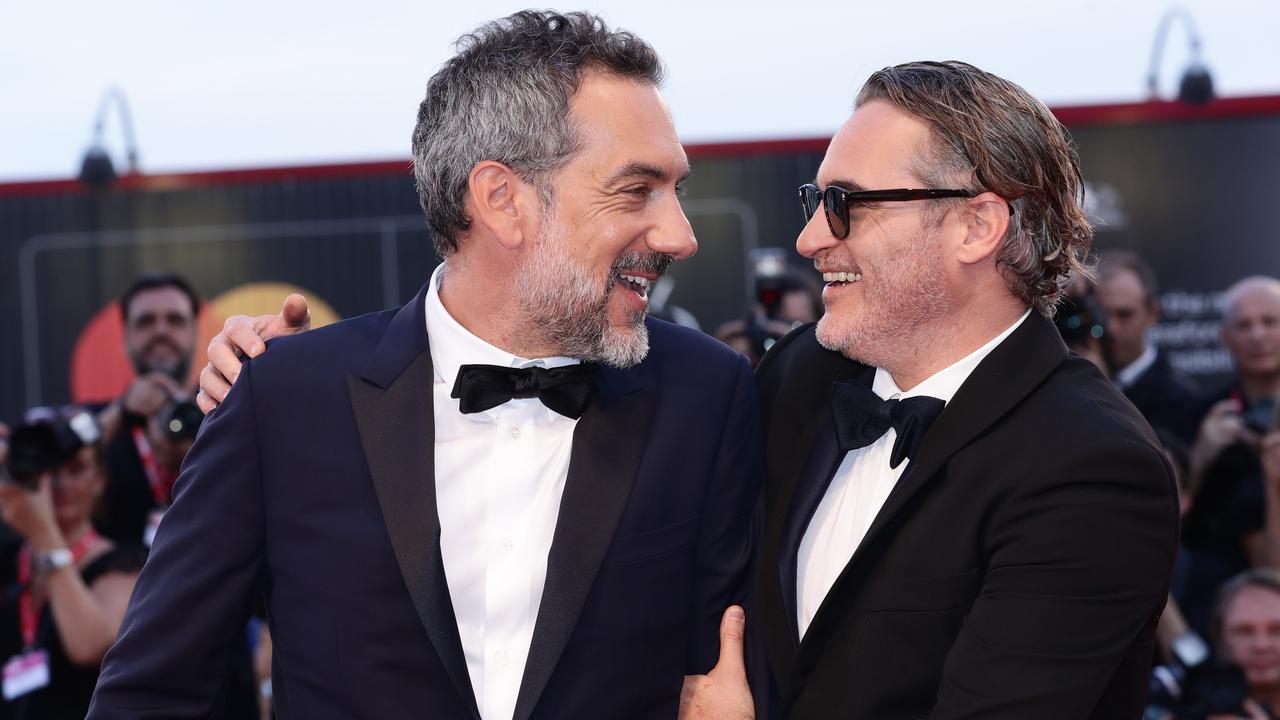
x,y
26,606
161,484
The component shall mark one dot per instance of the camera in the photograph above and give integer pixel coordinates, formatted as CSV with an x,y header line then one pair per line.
x,y
1192,687
44,443
181,420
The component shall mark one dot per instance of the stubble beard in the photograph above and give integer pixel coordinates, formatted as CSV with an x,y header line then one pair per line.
x,y
179,371
903,297
568,305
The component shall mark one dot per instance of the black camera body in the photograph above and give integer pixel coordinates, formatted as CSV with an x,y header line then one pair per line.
x,y
180,420
39,447
1200,692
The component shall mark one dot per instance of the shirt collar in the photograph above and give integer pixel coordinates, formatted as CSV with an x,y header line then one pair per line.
x,y
453,346
945,383
1134,370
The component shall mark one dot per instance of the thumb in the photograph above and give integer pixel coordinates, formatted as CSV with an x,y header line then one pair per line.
x,y
295,311
732,628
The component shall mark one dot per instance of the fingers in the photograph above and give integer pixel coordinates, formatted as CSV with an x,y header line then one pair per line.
x,y
224,365
732,629
148,394
165,383
203,401
241,333
1229,406
296,312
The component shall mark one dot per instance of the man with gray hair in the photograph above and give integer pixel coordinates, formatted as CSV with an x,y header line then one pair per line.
x,y
514,497
1225,529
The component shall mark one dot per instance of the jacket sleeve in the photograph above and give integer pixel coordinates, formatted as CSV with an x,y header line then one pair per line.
x,y
1078,571
174,652
727,537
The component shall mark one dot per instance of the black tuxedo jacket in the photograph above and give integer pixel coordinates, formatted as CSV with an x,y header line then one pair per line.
x,y
1167,399
313,484
1017,569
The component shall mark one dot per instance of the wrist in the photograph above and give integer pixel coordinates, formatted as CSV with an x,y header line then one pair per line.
x,y
50,561
46,541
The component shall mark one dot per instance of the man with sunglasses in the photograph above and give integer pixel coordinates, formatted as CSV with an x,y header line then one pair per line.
x,y
962,519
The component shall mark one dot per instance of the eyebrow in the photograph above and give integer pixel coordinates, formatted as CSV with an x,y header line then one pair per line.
x,y
646,170
845,183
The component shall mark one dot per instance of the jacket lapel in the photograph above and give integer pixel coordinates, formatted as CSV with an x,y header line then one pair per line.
x,y
608,445
392,402
1001,381
820,465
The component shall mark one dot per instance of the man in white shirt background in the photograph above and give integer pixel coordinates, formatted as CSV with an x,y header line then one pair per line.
x,y
1128,293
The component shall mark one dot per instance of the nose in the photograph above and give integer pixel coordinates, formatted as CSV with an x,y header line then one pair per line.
x,y
673,235
816,236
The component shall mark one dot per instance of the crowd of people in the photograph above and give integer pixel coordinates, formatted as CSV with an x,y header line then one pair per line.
x,y
995,560
83,492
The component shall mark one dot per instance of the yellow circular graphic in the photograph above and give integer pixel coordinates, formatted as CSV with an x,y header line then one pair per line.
x,y
266,298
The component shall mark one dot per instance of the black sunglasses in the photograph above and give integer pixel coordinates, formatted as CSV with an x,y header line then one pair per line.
x,y
837,201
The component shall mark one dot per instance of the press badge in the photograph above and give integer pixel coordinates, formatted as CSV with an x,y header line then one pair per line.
x,y
26,673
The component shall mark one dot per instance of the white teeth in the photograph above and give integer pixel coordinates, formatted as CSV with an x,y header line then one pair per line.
x,y
642,282
841,276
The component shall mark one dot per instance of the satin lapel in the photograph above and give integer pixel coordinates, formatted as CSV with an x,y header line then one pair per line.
x,y
608,444
820,465
999,383
392,401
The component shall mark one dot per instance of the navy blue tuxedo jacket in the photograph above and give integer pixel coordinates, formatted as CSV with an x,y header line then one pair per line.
x,y
313,486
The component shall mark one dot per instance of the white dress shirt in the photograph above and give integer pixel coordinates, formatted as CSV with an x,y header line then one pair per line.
x,y
1134,370
499,477
861,485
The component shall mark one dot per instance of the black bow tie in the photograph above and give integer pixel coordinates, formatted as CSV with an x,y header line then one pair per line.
x,y
565,390
862,418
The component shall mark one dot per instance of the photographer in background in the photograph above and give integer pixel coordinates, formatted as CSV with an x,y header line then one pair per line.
x,y
69,587
1223,533
148,430
1082,322
784,300
150,427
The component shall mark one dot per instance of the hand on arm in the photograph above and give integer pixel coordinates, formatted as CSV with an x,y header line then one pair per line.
x,y
244,336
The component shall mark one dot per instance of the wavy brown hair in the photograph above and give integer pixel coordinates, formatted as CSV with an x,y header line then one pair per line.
x,y
999,138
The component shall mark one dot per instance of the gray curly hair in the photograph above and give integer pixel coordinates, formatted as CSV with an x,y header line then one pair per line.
x,y
505,97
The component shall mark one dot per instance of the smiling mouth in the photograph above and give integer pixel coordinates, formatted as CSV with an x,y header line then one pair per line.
x,y
841,278
635,283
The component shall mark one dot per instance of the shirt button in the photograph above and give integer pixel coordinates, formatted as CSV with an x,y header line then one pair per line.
x,y
515,431
504,659
507,544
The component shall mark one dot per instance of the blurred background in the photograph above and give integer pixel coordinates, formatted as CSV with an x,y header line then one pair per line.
x,y
255,148
165,165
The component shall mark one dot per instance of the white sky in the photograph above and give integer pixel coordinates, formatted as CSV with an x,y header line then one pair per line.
x,y
243,83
